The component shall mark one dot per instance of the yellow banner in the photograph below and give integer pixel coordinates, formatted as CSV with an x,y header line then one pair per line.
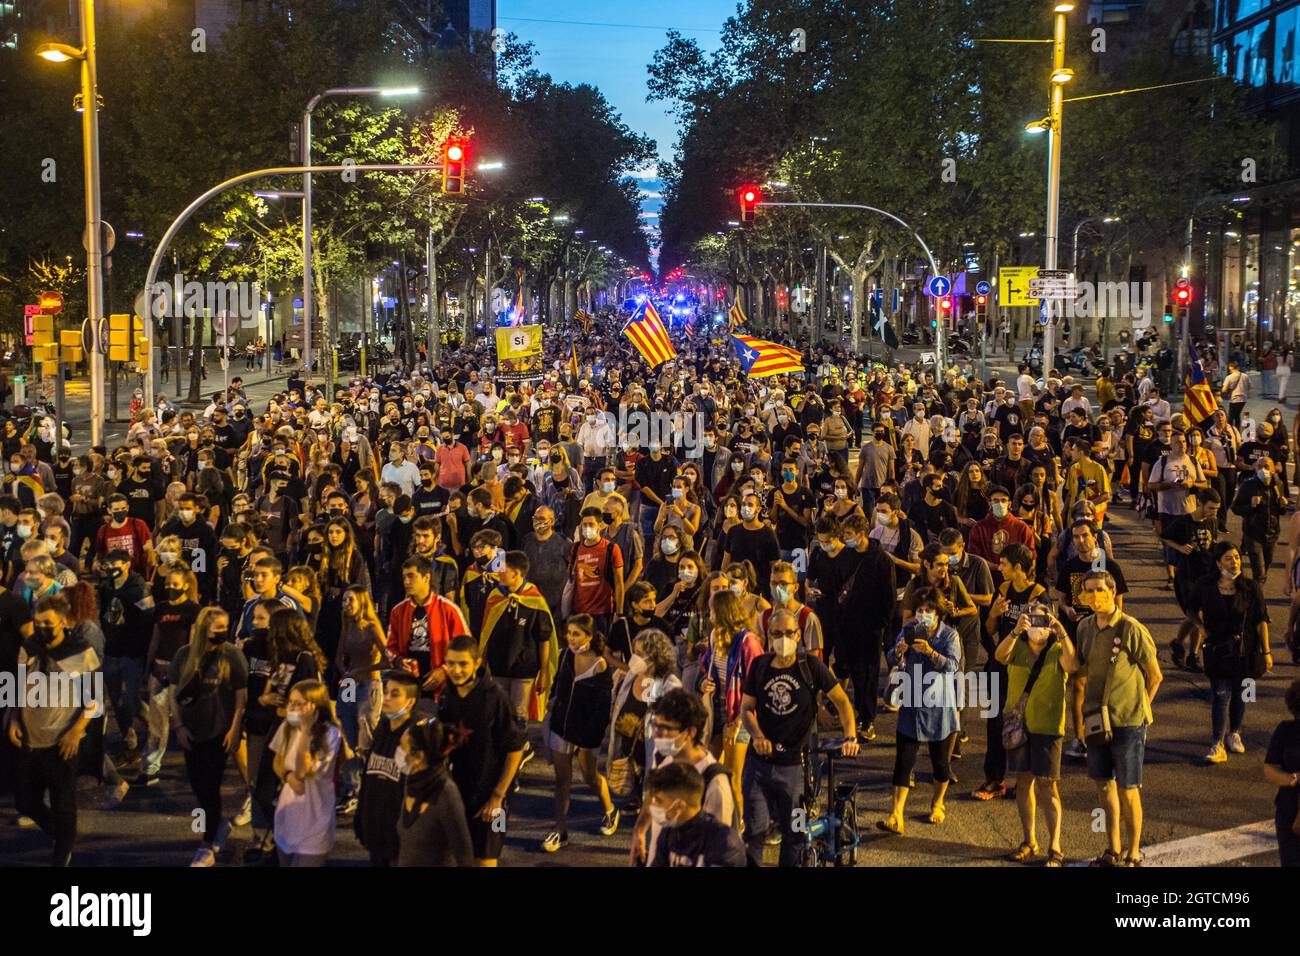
x,y
519,352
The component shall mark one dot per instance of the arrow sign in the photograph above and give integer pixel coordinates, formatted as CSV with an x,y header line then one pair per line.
x,y
939,286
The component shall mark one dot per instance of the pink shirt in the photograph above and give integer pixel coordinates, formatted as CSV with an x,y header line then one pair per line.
x,y
453,466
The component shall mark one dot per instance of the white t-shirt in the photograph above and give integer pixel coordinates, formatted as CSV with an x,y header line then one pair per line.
x,y
304,823
407,475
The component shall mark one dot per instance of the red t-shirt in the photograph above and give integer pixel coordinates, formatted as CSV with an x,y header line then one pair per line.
x,y
131,538
593,566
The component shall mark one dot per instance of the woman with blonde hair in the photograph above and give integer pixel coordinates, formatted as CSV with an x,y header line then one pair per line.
x,y
209,693
743,581
362,655
730,652
306,747
301,584
166,557
558,478
171,502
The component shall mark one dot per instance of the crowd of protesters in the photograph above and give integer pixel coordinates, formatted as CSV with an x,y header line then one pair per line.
x,y
382,604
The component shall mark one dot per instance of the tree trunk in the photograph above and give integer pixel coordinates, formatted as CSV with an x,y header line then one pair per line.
x,y
196,361
406,333
858,287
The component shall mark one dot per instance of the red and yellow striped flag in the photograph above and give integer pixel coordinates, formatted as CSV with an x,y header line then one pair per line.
x,y
648,334
736,315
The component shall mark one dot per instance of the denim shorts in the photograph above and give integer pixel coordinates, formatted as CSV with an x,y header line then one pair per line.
x,y
1121,759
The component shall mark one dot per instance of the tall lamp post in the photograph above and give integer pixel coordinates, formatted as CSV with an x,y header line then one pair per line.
x,y
1052,126
306,194
61,53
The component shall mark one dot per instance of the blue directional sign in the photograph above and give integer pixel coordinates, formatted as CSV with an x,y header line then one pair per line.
x,y
983,288
896,300
940,286
1042,312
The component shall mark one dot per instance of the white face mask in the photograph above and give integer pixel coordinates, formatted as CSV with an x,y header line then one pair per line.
x,y
401,760
294,718
927,619
637,664
667,747
668,546
658,815
784,646
590,535
686,576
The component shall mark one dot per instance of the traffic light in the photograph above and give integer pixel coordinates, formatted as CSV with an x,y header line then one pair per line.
x,y
781,299
455,157
749,198
981,309
1182,298
945,307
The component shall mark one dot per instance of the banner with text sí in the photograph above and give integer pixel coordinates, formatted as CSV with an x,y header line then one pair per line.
x,y
519,353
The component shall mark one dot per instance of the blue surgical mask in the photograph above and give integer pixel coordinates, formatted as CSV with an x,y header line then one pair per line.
x,y
927,619
780,593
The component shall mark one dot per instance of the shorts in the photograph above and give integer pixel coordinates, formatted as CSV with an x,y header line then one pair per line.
x,y
1121,759
488,841
1041,756
720,723
558,745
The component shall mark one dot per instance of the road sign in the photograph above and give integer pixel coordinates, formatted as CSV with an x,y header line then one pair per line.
x,y
87,342
983,288
1013,285
1052,284
939,286
51,303
1042,312
107,238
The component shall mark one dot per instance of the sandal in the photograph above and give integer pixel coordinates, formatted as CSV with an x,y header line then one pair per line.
x,y
1135,860
1024,854
989,790
890,825
936,813
1108,858
1055,858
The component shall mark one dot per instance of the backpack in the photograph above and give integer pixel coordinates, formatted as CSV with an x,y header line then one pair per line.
x,y
711,773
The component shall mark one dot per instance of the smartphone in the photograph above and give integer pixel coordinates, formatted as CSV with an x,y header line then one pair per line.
x,y
1038,616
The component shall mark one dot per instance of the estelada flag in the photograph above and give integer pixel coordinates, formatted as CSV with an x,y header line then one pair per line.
x,y
1199,403
498,603
647,332
584,319
736,315
760,358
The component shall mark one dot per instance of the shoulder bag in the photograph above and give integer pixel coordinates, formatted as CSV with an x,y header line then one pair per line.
x,y
1014,733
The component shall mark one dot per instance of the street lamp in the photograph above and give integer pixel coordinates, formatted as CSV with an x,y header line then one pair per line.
x,y
306,194
62,53
1059,77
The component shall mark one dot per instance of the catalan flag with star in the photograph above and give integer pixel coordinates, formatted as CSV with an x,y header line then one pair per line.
x,y
647,332
736,315
1199,403
760,358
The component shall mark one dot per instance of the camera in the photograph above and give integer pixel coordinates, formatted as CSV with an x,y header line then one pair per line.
x,y
1038,616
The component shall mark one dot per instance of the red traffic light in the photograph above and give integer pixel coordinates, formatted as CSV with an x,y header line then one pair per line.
x,y
749,197
1183,295
455,153
981,300
454,160
945,304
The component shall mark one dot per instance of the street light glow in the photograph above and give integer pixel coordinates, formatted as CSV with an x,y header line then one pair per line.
x,y
1062,76
490,167
1039,126
399,91
1064,7
560,218
58,52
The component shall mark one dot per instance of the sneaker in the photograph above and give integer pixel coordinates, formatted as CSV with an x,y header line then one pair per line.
x,y
128,757
1194,664
868,733
146,779
1217,754
555,840
347,806
1077,750
245,814
204,856
1178,652
1235,745
989,790
609,823
773,837
113,798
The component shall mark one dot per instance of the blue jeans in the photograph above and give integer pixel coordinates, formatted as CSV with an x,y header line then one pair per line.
x,y
1227,707
772,791
123,677
358,713
649,514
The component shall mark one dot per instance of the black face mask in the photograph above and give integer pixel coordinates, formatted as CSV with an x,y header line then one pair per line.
x,y
219,637
45,635
260,632
174,593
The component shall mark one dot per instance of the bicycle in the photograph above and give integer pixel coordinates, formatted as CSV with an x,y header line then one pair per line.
x,y
832,837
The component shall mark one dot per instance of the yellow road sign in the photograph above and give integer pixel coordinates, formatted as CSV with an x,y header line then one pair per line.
x,y
1013,285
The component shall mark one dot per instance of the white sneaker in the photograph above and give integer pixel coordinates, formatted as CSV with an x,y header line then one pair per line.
x,y
204,856
1217,754
1235,745
245,814
113,798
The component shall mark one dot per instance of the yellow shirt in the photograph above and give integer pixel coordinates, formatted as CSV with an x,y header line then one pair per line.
x,y
1077,478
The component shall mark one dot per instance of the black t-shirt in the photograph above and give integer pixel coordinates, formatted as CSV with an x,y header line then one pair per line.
x,y
485,732
759,547
790,533
1284,753
14,614
173,622
1070,575
1201,535
1009,421
930,520
430,502
624,629
141,497
786,703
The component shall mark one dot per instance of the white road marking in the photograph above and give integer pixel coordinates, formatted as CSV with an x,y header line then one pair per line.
x,y
1214,848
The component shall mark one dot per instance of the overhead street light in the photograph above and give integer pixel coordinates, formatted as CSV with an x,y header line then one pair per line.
x,y
307,289
59,52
